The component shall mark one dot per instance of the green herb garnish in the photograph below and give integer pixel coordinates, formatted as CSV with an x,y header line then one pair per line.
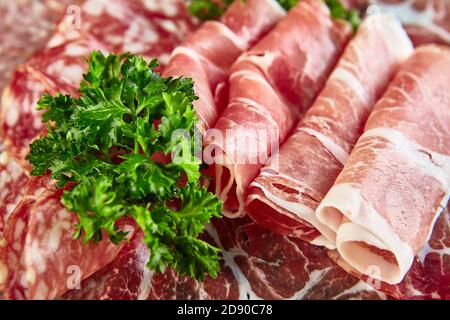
x,y
214,9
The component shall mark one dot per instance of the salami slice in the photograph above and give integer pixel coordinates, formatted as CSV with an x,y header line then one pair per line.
x,y
13,177
36,20
207,54
381,214
271,86
249,271
58,69
42,258
20,121
63,66
285,195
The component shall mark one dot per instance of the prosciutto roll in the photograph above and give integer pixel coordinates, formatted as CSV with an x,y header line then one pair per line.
x,y
271,86
207,54
285,195
384,204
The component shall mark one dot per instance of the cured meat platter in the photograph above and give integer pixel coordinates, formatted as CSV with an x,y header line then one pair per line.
x,y
317,135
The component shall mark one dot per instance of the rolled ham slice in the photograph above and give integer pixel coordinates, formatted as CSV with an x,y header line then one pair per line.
x,y
285,195
384,204
207,55
39,258
271,86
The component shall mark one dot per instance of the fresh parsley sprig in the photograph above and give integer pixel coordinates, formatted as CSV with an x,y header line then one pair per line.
x,y
214,9
104,146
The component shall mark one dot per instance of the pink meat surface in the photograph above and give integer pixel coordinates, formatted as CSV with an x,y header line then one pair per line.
x,y
256,264
426,21
271,86
285,195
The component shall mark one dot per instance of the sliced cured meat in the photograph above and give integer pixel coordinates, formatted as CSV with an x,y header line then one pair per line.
x,y
20,121
383,206
207,54
428,277
42,259
285,195
58,69
257,264
25,25
63,66
426,21
271,86
148,28
12,179
128,278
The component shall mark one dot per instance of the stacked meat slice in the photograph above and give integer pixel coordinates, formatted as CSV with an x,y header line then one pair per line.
x,y
285,195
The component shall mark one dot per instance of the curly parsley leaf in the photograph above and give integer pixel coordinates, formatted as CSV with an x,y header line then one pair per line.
x,y
208,9
125,146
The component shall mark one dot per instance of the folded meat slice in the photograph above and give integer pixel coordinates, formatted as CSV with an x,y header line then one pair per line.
x,y
285,195
207,54
39,258
384,204
271,86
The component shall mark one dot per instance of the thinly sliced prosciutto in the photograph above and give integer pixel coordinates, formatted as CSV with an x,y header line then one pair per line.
x,y
384,204
39,258
285,195
271,86
256,265
207,54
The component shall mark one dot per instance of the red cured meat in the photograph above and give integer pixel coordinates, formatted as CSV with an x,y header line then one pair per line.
x,y
426,21
257,264
429,276
271,86
58,69
207,54
43,260
381,214
63,66
148,28
12,178
19,119
59,66
25,26
285,195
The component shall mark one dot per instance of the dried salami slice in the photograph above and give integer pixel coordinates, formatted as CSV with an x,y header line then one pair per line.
x,y
58,69
148,28
42,259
